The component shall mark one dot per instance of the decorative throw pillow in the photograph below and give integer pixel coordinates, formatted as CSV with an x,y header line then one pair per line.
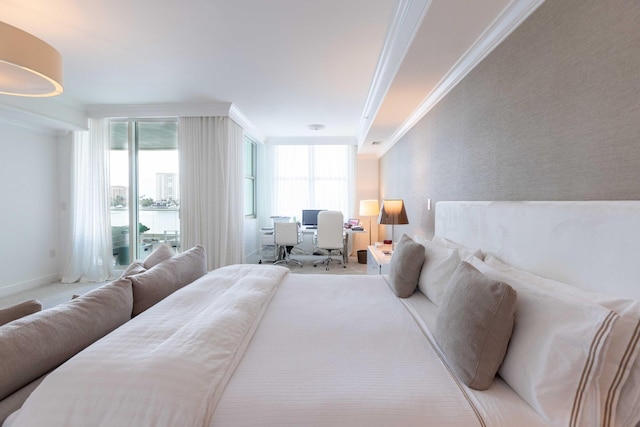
x,y
474,324
14,312
439,264
32,347
161,253
163,279
405,266
136,267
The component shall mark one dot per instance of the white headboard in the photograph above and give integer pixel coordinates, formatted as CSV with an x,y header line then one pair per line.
x,y
592,245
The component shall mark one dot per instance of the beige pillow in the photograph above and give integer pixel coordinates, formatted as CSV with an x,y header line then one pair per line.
x,y
474,324
161,253
136,267
405,266
14,312
167,277
34,345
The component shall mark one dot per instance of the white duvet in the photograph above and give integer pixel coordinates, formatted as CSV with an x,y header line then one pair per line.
x,y
328,350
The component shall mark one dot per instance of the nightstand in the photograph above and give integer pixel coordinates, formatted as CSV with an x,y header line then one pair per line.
x,y
378,262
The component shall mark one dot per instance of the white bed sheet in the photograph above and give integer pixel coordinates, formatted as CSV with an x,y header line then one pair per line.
x,y
499,404
344,350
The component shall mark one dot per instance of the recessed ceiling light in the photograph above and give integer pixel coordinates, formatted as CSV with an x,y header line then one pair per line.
x,y
316,126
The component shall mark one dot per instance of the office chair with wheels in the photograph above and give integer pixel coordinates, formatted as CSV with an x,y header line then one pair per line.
x,y
286,235
330,235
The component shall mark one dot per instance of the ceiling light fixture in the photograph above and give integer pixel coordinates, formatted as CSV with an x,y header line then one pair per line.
x,y
316,127
28,65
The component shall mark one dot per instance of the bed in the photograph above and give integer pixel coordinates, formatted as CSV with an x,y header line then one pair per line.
x,y
256,345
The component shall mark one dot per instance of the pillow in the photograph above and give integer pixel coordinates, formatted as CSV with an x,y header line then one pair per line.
x,y
619,379
474,324
163,279
136,267
161,253
34,345
405,265
556,351
14,312
462,250
439,265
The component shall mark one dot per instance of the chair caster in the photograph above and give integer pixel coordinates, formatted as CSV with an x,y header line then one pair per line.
x,y
327,268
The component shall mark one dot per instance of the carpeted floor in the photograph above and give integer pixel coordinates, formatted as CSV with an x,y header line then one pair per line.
x,y
56,293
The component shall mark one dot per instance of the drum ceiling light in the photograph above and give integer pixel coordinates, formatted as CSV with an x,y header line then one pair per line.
x,y
28,65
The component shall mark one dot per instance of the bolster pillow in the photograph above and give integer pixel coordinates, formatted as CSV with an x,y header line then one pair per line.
x,y
34,345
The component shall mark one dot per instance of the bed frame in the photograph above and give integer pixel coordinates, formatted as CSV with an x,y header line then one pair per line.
x,y
592,245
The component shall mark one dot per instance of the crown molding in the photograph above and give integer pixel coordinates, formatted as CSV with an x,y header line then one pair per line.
x,y
44,114
513,15
249,128
405,24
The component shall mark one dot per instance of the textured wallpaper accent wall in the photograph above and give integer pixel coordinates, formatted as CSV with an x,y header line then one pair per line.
x,y
553,113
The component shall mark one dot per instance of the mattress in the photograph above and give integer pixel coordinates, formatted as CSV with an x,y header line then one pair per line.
x,y
314,350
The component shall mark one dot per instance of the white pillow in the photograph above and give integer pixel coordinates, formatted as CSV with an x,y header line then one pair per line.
x,y
462,250
556,351
439,265
619,379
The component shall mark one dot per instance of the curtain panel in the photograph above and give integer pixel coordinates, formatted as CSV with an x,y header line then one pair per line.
x,y
211,178
90,256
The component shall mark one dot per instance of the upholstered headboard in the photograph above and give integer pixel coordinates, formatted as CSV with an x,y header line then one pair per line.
x,y
592,245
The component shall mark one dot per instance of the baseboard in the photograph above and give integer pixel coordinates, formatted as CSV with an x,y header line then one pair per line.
x,y
28,284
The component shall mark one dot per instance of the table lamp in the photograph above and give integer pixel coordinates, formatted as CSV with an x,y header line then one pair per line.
x,y
369,208
392,212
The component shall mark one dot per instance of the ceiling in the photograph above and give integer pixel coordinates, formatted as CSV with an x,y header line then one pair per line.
x,y
365,69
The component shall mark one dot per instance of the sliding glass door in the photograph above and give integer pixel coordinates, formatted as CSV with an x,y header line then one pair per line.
x,y
145,195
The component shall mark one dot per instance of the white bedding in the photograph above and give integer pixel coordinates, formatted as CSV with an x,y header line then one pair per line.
x,y
329,350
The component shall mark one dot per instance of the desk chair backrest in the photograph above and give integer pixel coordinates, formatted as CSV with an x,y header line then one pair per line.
x,y
286,233
330,230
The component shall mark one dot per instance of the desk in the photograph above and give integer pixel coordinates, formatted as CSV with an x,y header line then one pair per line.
x,y
268,244
347,233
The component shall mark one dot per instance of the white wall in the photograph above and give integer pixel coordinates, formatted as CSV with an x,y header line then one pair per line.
x,y
29,220
366,188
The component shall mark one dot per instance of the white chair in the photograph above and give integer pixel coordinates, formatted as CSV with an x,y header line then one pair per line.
x,y
330,235
286,235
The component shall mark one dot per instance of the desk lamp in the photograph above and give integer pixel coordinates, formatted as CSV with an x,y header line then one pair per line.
x,y
369,208
392,212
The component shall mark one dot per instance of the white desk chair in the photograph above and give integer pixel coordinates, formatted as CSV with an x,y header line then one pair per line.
x,y
286,234
330,235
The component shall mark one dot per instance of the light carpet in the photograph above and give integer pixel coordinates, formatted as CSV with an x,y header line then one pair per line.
x,y
56,293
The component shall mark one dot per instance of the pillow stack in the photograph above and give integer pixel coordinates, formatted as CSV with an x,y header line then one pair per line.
x,y
163,273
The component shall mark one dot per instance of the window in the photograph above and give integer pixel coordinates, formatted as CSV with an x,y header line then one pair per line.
x,y
312,177
144,185
250,150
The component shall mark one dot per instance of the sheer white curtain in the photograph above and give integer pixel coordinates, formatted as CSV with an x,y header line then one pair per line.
x,y
211,177
90,255
310,177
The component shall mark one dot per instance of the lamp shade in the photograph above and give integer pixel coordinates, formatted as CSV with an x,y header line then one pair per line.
x,y
393,212
28,66
369,208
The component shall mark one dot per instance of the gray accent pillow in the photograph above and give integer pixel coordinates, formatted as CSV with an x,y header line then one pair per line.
x,y
136,267
165,278
9,314
161,253
405,266
474,324
34,345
